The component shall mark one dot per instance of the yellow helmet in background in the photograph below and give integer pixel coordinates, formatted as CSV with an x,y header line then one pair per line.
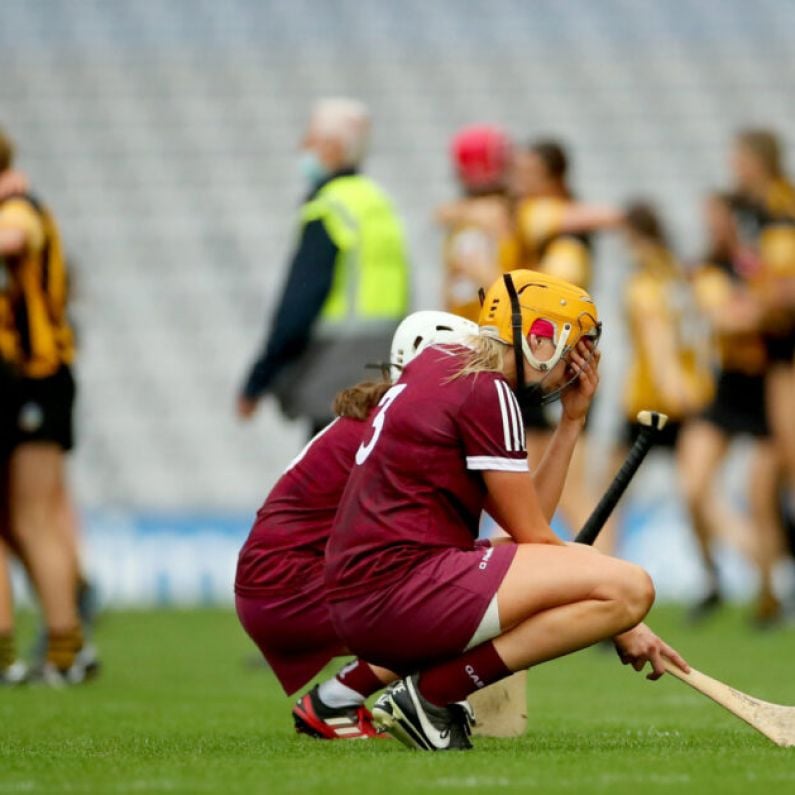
x,y
525,302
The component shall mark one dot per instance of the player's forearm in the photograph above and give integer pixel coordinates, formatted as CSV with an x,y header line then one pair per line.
x,y
550,475
589,218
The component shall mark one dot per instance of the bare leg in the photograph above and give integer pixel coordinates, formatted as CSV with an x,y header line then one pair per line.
x,y
384,675
6,596
780,390
701,449
7,645
556,600
768,533
36,494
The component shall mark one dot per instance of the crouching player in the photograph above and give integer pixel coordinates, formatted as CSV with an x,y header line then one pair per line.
x,y
407,587
279,588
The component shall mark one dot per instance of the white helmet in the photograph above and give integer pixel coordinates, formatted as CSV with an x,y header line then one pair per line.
x,y
421,329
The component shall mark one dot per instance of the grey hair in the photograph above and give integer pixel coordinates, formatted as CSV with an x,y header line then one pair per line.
x,y
346,120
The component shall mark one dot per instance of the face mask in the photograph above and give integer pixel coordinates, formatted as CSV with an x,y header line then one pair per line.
x,y
313,171
530,396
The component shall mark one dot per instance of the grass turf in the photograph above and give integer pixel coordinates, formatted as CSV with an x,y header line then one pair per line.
x,y
180,708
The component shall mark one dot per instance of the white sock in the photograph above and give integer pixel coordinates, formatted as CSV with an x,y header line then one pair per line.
x,y
334,694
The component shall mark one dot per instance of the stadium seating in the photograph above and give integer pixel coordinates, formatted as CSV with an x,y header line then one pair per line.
x,y
164,135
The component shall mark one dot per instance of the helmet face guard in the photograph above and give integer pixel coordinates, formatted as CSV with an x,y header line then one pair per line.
x,y
533,395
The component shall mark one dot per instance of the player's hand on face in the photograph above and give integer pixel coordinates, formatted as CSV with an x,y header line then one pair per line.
x,y
640,646
583,360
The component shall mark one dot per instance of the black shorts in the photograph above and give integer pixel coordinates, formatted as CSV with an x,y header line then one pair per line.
x,y
780,347
667,437
42,409
7,413
739,405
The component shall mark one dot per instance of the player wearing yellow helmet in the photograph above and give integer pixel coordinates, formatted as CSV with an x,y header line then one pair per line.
x,y
526,304
766,216
406,585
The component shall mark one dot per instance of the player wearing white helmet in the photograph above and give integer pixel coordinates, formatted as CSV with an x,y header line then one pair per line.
x,y
280,595
425,328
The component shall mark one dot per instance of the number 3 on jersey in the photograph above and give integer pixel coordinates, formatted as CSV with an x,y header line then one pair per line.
x,y
378,422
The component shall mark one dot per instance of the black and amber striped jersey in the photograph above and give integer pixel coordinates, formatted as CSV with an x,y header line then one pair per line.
x,y
546,247
476,252
755,216
767,228
670,368
716,286
35,335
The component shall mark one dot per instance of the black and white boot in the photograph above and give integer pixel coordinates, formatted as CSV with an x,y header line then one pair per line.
x,y
404,713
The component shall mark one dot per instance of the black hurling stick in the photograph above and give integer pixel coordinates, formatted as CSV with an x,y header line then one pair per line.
x,y
653,422
775,721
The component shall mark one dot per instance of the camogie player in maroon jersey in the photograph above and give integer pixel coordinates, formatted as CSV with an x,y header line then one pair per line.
x,y
279,587
408,588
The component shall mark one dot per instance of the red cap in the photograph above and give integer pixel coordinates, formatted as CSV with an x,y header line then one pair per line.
x,y
480,155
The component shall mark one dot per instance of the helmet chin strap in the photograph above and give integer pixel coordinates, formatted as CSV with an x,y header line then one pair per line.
x,y
516,330
521,348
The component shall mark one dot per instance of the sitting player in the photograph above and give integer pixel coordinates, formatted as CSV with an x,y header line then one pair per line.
x,y
407,587
279,589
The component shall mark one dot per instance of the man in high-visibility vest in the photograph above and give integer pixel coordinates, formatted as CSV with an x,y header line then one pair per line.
x,y
348,284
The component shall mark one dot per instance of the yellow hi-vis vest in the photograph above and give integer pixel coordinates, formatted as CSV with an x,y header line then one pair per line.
x,y
370,286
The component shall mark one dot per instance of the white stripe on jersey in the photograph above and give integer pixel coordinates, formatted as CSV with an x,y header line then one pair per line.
x,y
517,417
493,462
513,428
503,410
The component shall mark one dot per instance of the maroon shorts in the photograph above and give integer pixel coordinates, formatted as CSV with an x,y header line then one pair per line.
x,y
428,616
292,628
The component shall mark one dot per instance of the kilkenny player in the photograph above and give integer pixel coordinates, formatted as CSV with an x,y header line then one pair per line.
x,y
408,588
723,290
279,584
670,353
479,241
765,207
555,230
36,341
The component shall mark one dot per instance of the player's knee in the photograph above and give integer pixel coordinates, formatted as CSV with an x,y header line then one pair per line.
x,y
633,594
639,594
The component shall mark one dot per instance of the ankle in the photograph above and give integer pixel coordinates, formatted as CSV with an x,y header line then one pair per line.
x,y
8,649
62,647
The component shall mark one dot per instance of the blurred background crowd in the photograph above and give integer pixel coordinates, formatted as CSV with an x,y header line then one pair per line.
x,y
638,148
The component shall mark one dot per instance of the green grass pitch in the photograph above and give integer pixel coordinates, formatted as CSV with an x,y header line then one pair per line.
x,y
180,708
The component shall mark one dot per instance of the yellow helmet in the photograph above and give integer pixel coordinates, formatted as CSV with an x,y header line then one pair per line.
x,y
530,302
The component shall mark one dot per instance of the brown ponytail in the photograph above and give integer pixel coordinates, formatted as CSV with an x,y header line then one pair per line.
x,y
356,402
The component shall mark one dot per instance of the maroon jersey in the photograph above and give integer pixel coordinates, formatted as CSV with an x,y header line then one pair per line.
x,y
294,522
417,484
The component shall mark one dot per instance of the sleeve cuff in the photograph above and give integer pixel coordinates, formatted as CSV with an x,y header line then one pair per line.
x,y
497,464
